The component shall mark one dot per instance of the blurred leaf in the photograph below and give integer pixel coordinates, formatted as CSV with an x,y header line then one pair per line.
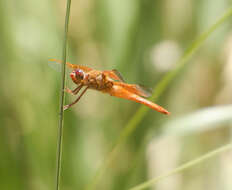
x,y
184,167
202,120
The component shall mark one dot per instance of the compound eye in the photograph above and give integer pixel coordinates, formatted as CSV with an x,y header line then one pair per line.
x,y
79,74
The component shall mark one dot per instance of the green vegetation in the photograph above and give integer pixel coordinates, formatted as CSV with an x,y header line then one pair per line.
x,y
107,144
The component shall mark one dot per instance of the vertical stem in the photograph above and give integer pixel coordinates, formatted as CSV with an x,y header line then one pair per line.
x,y
61,114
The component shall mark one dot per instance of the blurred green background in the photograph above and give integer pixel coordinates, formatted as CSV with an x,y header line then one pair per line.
x,y
143,39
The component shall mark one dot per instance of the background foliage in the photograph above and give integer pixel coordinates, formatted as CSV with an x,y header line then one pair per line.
x,y
142,39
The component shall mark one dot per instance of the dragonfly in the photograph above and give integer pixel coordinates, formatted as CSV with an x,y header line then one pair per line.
x,y
107,81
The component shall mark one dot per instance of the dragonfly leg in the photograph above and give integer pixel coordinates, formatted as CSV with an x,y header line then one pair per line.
x,y
79,97
75,91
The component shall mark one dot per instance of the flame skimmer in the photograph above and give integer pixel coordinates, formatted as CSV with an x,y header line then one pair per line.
x,y
110,82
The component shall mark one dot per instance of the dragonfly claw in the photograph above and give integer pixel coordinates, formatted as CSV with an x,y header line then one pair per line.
x,y
68,91
65,107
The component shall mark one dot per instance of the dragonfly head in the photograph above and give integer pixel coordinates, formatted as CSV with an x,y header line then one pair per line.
x,y
77,75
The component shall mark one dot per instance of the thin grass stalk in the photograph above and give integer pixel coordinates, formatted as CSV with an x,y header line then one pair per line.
x,y
61,114
158,91
162,85
184,167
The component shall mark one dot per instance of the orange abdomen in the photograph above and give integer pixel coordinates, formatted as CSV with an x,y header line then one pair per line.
x,y
120,92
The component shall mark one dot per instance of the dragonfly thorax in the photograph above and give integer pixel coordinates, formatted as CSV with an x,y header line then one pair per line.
x,y
98,81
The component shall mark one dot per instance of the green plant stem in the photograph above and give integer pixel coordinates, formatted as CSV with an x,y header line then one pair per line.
x,y
61,115
158,91
162,85
184,167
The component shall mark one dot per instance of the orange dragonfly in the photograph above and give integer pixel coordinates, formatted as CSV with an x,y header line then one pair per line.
x,y
110,82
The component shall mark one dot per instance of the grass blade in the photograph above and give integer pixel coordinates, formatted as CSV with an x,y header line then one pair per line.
x,y
184,167
61,115
160,88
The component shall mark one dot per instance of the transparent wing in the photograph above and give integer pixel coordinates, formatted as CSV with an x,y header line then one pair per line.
x,y
143,90
114,74
118,74
56,64
136,89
